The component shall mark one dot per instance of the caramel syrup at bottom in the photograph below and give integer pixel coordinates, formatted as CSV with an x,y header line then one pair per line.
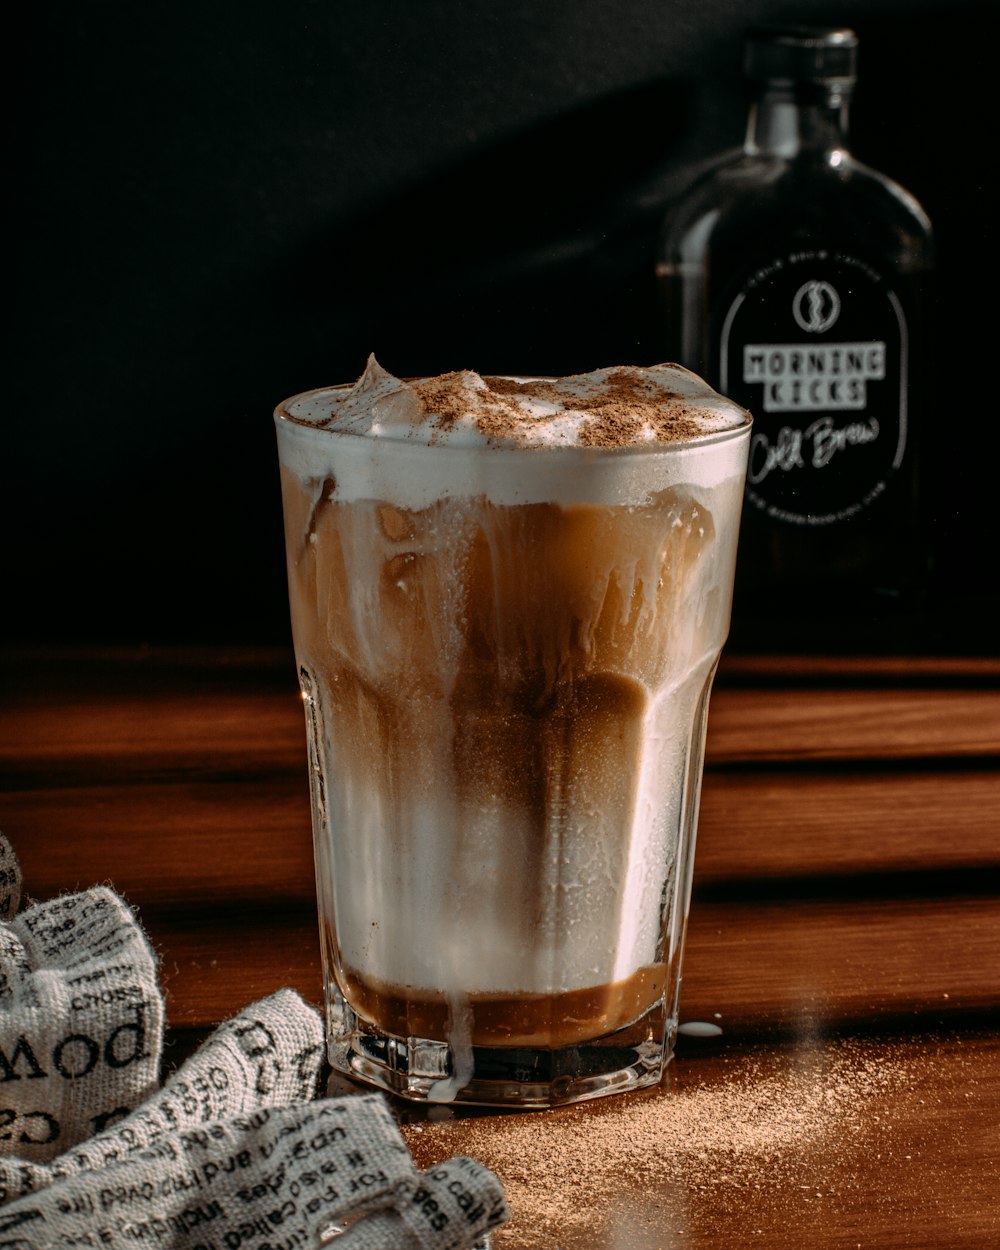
x,y
544,1021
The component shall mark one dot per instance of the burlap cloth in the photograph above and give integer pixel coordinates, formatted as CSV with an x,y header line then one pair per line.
x,y
233,1152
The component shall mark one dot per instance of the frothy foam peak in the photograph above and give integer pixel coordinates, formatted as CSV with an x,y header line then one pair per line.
x,y
620,406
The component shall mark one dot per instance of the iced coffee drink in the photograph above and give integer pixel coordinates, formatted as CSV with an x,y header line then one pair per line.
x,y
508,600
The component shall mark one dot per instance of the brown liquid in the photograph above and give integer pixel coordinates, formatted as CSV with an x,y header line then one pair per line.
x,y
503,704
546,1021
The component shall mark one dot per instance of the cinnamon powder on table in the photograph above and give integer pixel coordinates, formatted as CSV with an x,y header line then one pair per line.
x,y
749,1131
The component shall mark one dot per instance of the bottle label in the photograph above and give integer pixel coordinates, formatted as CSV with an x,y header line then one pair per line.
x,y
815,345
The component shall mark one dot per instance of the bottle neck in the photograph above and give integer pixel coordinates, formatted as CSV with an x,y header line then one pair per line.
x,y
785,124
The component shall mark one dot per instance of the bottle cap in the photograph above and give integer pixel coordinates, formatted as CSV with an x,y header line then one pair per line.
x,y
801,54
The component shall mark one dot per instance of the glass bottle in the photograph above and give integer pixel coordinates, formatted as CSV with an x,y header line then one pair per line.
x,y
794,279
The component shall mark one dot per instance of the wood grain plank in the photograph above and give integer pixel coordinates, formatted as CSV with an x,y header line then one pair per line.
x,y
815,964
170,663
792,822
249,837
211,969
159,730
101,737
187,841
776,725
764,967
784,669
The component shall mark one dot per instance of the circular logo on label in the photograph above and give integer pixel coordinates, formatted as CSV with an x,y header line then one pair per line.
x,y
829,408
816,307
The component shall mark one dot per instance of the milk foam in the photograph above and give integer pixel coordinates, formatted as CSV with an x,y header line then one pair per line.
x,y
462,409
620,419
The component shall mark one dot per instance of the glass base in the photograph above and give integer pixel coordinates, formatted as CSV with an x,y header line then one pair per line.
x,y
423,1070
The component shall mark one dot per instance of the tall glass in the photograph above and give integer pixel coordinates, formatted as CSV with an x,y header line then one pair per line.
x,y
506,656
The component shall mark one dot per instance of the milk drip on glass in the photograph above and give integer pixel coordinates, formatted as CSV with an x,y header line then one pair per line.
x,y
508,601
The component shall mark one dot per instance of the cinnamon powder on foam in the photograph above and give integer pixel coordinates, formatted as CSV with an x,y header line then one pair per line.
x,y
615,417
753,1130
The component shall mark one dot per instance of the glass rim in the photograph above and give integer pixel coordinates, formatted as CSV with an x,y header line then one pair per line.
x,y
282,416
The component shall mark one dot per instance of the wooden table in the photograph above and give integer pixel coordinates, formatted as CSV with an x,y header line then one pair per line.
x,y
845,935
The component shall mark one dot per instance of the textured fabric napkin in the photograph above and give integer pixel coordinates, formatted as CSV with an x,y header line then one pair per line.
x,y
233,1152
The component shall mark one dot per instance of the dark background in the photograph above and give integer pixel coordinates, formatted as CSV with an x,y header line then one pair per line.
x,y
218,204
